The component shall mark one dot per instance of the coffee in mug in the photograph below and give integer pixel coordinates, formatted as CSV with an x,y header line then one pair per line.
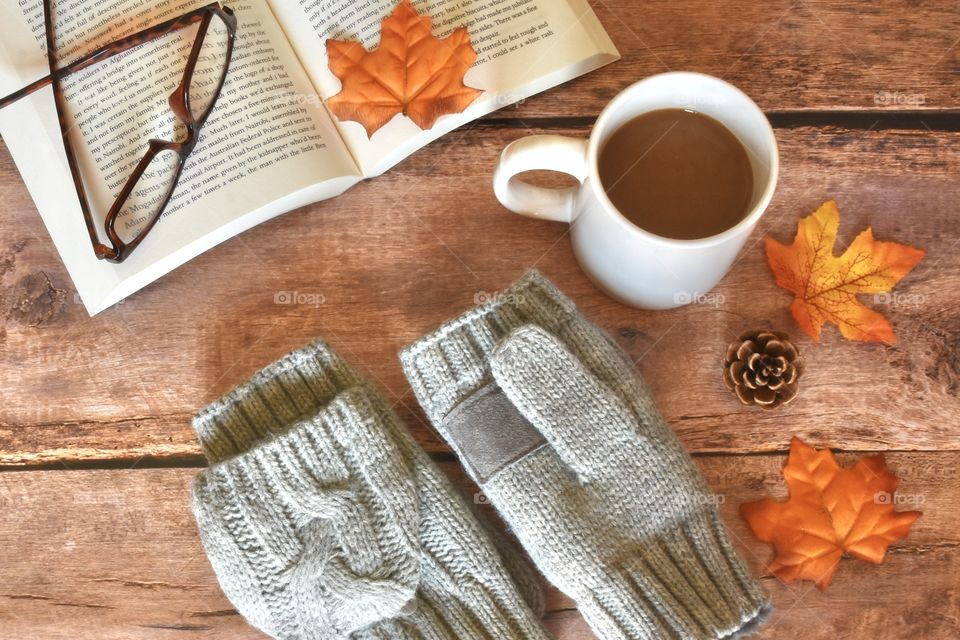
x,y
677,173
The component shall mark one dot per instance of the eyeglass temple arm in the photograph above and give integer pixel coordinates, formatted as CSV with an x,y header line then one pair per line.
x,y
110,50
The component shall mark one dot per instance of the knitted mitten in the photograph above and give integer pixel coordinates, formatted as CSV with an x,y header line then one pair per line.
x,y
553,422
324,519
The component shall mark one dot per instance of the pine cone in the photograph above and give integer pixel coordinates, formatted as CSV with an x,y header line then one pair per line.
x,y
763,367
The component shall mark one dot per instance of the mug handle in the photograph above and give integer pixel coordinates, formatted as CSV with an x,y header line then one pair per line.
x,y
543,152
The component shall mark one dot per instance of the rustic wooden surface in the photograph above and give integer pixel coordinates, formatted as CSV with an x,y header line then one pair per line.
x,y
96,449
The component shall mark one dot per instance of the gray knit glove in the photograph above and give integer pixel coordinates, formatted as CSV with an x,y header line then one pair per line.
x,y
324,519
553,422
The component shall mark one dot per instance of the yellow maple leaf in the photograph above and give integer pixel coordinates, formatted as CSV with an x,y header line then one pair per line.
x,y
826,286
410,72
830,511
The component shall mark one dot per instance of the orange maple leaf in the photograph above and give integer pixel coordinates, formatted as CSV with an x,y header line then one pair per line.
x,y
410,72
826,286
831,510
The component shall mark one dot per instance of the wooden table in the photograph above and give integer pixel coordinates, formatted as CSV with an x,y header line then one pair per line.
x,y
96,447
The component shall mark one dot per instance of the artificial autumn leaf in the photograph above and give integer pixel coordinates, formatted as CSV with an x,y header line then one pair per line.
x,y
831,510
826,286
410,72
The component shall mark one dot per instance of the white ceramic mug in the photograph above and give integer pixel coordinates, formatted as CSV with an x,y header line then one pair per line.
x,y
632,265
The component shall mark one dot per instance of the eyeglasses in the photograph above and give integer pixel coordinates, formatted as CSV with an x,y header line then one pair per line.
x,y
139,204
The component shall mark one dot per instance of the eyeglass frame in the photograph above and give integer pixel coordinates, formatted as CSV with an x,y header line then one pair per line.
x,y
179,102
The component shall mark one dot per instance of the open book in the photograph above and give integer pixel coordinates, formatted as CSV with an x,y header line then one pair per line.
x,y
270,145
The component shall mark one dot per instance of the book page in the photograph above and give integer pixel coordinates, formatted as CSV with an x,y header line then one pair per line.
x,y
523,47
260,150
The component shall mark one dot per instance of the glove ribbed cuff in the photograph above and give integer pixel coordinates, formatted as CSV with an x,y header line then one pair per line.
x,y
453,361
686,583
283,394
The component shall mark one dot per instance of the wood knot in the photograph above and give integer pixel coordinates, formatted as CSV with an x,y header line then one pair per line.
x,y
630,334
34,300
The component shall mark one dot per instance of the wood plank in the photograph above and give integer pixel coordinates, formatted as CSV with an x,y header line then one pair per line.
x,y
804,55
114,554
122,385
398,255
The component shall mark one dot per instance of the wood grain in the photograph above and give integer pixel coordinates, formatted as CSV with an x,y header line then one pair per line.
x,y
398,255
114,554
788,55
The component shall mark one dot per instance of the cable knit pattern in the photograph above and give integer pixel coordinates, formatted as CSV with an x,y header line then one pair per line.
x,y
612,510
324,519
